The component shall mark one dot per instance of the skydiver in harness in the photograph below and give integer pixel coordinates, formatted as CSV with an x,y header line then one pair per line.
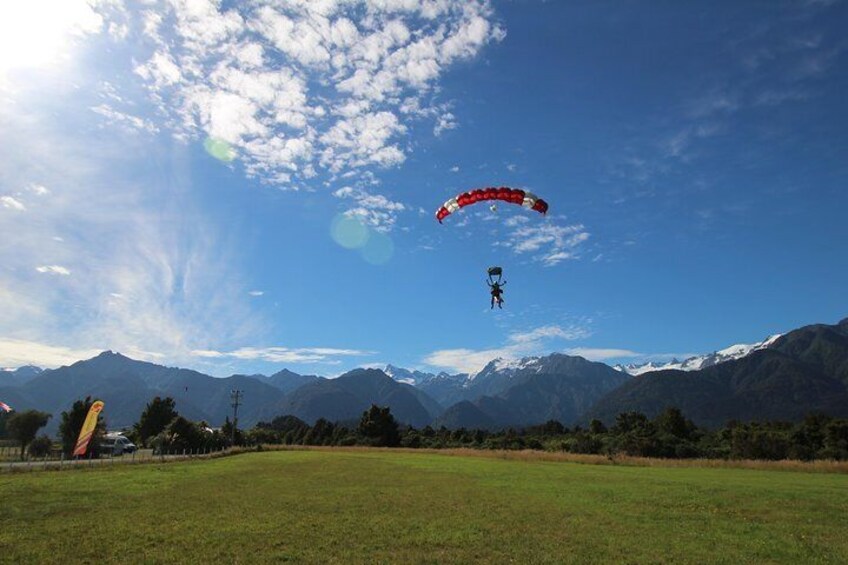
x,y
496,286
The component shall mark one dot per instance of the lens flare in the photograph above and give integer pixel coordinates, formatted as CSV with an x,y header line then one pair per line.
x,y
219,149
349,232
378,249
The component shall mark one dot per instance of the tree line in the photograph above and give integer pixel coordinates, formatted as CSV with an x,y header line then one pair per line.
x,y
668,435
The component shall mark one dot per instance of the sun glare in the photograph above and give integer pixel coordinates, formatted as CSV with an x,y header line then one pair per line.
x,y
35,33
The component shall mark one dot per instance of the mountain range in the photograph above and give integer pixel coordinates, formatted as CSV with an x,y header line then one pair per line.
x,y
698,362
783,377
803,371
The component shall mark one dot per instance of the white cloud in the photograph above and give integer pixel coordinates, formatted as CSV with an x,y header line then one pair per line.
x,y
12,203
38,189
601,354
53,270
515,221
325,355
519,344
374,210
454,169
549,243
465,360
551,332
362,140
256,293
299,85
18,352
445,122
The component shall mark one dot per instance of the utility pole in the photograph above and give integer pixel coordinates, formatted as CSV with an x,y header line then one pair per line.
x,y
235,395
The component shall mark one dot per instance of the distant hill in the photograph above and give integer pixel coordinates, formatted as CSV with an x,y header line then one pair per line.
x,y
533,390
804,371
465,414
127,385
287,381
348,396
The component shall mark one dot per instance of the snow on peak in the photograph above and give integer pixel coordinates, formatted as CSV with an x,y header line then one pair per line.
x,y
514,364
507,366
701,361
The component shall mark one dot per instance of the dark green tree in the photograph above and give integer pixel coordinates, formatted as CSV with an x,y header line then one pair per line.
x,y
597,427
4,417
156,416
836,440
628,422
227,433
23,426
671,421
379,427
552,428
40,446
71,424
320,434
182,434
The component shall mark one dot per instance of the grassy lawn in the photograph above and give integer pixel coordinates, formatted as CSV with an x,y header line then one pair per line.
x,y
379,506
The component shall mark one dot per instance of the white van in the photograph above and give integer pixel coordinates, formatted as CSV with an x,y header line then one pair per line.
x,y
117,444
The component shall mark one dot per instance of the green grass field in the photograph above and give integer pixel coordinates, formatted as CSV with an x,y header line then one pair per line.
x,y
381,506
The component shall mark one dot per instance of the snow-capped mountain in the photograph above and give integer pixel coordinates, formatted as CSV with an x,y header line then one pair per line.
x,y
19,376
406,376
444,387
701,361
506,368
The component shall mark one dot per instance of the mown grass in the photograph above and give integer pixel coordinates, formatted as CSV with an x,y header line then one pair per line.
x,y
381,506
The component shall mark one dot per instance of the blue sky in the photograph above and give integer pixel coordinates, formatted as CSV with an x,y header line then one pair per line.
x,y
245,187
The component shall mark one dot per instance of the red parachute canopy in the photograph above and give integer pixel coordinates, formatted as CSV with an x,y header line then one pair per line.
x,y
511,195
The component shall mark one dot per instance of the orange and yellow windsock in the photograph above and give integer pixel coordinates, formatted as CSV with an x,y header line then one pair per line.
x,y
87,430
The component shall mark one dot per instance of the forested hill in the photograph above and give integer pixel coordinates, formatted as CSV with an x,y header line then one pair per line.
x,y
804,371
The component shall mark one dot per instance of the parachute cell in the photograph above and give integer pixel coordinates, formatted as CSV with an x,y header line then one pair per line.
x,y
503,193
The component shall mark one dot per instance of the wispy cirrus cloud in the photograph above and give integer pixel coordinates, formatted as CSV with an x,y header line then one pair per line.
x,y
108,259
124,119
781,60
549,243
